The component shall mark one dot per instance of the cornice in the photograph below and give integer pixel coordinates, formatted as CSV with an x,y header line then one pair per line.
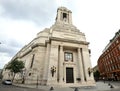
x,y
68,40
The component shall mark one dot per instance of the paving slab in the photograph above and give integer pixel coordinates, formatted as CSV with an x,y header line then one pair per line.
x,y
100,86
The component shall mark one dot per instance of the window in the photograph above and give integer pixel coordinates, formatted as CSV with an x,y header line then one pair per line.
x,y
64,15
29,74
117,41
32,60
68,56
119,47
119,58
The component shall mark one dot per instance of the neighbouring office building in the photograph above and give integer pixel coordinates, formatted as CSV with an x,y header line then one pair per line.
x,y
58,56
109,61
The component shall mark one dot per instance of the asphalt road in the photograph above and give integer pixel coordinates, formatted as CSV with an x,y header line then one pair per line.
x,y
15,88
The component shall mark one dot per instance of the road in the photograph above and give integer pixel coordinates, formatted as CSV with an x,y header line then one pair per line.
x,y
100,86
15,88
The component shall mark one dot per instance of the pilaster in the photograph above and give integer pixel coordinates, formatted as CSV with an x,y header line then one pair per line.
x,y
61,65
53,65
46,64
87,65
81,65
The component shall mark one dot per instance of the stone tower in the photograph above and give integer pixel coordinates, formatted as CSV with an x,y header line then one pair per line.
x,y
64,15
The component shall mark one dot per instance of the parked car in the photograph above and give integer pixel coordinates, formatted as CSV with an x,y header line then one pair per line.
x,y
7,82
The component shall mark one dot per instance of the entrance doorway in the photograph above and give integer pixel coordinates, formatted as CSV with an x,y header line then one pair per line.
x,y
69,75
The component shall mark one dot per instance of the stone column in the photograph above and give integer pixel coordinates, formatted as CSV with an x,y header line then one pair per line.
x,y
70,17
61,64
81,65
58,16
46,63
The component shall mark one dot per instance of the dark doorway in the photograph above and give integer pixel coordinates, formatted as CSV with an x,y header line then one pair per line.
x,y
69,75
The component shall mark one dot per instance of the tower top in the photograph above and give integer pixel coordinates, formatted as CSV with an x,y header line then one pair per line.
x,y
64,9
64,15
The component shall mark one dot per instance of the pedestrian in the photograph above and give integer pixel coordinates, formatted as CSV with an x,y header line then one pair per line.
x,y
104,79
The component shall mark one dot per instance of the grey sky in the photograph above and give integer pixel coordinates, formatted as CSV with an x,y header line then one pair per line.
x,y
34,10
21,20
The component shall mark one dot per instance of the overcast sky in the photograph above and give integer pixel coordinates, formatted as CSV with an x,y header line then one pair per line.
x,y
21,20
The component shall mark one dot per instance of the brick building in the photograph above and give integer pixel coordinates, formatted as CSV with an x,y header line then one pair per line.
x,y
109,61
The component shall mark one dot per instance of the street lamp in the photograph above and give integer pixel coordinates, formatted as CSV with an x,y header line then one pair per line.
x,y
53,70
23,75
89,71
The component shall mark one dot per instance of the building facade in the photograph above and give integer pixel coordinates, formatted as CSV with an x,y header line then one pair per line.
x,y
109,61
59,55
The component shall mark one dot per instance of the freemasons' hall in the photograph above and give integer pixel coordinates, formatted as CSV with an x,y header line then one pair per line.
x,y
58,56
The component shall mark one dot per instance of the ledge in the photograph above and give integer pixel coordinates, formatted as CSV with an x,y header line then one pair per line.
x,y
68,40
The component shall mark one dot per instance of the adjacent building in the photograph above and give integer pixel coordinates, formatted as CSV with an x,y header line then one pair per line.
x,y
58,56
109,61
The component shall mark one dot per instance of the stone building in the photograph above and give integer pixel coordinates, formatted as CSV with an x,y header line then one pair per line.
x,y
58,56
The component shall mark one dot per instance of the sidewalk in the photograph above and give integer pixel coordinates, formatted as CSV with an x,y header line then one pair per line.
x,y
116,84
100,86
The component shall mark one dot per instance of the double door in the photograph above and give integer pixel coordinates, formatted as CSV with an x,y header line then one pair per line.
x,y
69,75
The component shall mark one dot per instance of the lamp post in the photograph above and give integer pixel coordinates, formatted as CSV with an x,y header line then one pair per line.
x,y
23,75
89,71
53,70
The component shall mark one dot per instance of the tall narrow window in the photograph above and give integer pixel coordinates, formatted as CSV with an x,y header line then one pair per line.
x,y
68,56
32,60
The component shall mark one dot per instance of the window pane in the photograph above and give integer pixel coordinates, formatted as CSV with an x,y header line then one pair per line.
x,y
68,56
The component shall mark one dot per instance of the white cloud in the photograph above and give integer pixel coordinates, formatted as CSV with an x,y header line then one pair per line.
x,y
14,29
4,58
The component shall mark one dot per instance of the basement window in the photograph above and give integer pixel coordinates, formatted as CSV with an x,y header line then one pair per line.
x,y
29,74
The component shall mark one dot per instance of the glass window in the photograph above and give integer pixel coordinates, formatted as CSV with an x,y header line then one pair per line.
x,y
68,56
119,47
117,41
119,58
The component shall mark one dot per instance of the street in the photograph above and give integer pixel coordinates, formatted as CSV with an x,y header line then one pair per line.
x,y
15,88
100,86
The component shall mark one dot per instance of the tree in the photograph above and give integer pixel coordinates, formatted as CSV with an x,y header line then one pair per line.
x,y
15,66
96,75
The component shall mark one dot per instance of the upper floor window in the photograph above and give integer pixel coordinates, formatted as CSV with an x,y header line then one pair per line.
x,y
117,41
119,47
68,56
64,15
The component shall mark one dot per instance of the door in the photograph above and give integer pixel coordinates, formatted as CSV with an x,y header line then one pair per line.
x,y
69,75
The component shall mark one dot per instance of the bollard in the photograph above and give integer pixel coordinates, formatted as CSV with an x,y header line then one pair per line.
x,y
51,88
76,89
111,86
